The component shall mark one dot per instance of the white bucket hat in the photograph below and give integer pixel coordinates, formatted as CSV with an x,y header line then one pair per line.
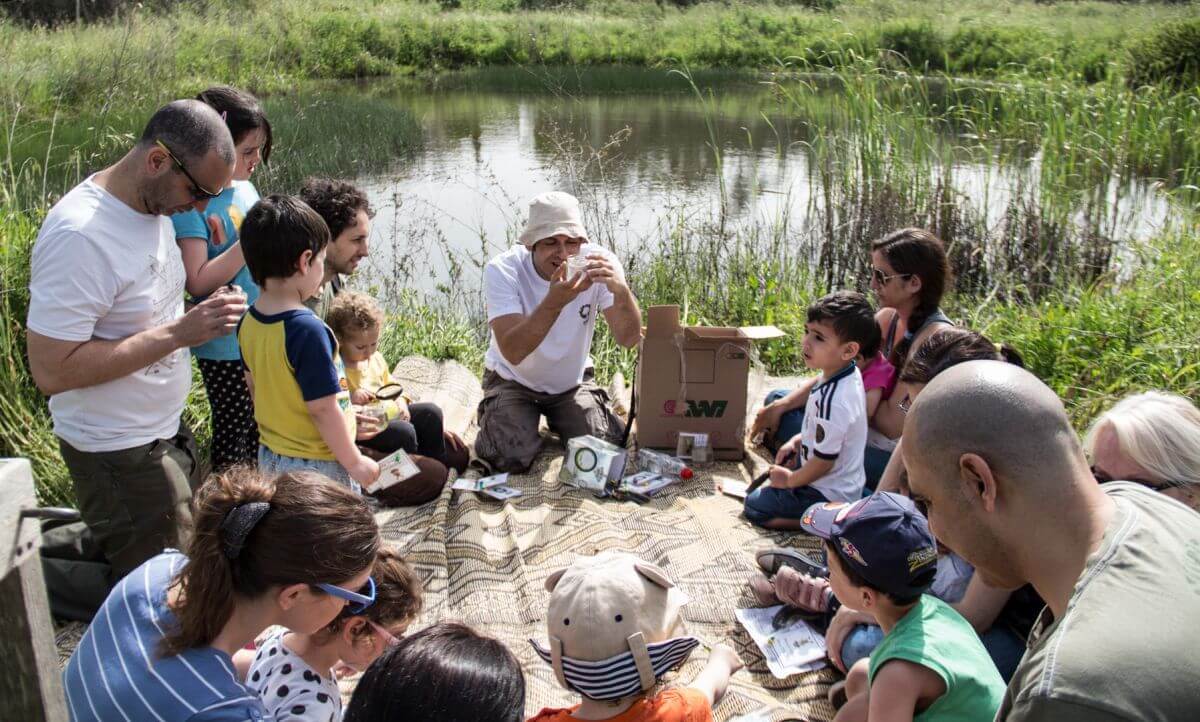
x,y
551,214
612,623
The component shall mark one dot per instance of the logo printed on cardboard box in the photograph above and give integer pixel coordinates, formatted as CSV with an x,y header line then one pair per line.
x,y
700,409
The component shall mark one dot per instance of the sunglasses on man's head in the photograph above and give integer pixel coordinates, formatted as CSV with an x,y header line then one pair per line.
x,y
880,278
199,192
1103,478
358,601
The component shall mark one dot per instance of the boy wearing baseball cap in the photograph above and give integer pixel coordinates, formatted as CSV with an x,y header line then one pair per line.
x,y
614,630
931,665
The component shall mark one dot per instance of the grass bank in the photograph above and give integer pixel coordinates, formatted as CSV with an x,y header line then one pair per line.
x,y
144,56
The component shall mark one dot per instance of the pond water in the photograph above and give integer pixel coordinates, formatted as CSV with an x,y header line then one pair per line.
x,y
641,162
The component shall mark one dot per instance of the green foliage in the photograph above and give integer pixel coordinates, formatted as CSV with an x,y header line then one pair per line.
x,y
1168,54
150,53
1094,345
918,44
417,328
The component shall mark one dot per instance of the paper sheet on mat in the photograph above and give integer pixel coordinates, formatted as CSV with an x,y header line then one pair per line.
x,y
795,648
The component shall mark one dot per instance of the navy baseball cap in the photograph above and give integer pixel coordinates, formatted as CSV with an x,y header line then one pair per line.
x,y
884,538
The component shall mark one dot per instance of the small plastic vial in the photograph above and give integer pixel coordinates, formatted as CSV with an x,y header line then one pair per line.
x,y
661,463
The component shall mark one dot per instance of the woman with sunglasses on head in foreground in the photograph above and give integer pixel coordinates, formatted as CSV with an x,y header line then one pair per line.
x,y
291,551
1152,439
909,275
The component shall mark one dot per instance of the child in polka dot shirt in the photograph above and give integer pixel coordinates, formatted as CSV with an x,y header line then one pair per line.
x,y
293,674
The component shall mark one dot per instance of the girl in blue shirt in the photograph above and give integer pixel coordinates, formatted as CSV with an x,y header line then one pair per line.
x,y
212,255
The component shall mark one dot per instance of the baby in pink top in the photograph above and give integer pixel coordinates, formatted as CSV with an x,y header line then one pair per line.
x,y
879,379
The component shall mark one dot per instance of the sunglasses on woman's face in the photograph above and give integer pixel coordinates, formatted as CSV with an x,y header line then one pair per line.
x,y
1103,478
357,601
878,277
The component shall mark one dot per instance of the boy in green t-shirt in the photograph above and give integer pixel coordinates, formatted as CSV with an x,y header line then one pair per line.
x,y
931,664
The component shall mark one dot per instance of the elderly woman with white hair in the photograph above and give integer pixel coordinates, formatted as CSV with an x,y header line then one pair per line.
x,y
1152,439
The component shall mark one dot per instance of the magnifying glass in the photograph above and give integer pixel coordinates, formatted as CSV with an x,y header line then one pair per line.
x,y
389,392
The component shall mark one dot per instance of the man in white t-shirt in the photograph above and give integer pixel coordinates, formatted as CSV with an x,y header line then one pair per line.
x,y
108,342
542,315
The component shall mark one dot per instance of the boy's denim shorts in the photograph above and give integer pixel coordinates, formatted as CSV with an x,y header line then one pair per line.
x,y
766,503
273,464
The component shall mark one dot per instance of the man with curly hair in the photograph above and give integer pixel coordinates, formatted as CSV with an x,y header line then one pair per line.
x,y
348,213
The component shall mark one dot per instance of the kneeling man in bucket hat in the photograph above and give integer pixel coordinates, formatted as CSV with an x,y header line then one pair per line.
x,y
542,312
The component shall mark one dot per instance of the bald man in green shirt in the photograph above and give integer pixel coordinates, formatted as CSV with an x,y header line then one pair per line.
x,y
989,449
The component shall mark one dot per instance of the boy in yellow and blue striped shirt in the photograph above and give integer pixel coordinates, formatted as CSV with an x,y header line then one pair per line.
x,y
301,397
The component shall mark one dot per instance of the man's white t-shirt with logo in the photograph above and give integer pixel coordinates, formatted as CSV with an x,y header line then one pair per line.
x,y
835,429
102,270
511,285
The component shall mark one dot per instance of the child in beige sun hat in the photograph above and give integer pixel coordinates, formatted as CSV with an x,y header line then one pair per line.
x,y
552,214
614,630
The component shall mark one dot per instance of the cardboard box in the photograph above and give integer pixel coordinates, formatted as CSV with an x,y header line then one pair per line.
x,y
590,463
693,379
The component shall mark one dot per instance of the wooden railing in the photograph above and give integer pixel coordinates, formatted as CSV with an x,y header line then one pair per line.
x,y
31,687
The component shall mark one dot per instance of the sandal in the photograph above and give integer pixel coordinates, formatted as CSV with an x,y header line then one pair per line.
x,y
764,591
770,560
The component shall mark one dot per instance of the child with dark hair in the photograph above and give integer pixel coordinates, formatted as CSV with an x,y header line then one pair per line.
x,y
296,376
293,671
827,454
212,257
882,559
444,673
289,550
1002,618
357,321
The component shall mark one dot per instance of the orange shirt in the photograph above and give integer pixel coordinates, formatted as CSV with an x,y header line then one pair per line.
x,y
670,705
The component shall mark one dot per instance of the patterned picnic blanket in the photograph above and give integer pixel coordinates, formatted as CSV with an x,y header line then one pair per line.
x,y
484,562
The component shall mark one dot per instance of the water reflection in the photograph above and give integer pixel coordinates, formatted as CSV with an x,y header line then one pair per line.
x,y
642,163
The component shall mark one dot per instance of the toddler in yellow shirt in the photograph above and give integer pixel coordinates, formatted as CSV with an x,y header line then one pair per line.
x,y
357,322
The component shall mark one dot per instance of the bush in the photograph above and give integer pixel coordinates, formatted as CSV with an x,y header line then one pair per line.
x,y
1169,54
919,44
984,51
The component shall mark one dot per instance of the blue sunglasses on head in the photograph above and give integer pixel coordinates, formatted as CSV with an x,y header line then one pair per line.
x,y
357,601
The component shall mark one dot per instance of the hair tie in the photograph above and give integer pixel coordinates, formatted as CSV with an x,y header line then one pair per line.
x,y
238,524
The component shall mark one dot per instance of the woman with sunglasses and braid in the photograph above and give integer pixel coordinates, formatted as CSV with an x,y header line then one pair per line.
x,y
265,551
293,671
212,257
909,275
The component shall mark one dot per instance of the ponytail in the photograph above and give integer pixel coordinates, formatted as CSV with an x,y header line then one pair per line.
x,y
253,534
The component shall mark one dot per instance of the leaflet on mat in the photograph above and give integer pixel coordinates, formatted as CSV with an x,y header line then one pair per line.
x,y
394,469
795,648
486,482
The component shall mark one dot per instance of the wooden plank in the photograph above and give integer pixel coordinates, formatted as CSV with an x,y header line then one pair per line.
x,y
18,542
30,681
